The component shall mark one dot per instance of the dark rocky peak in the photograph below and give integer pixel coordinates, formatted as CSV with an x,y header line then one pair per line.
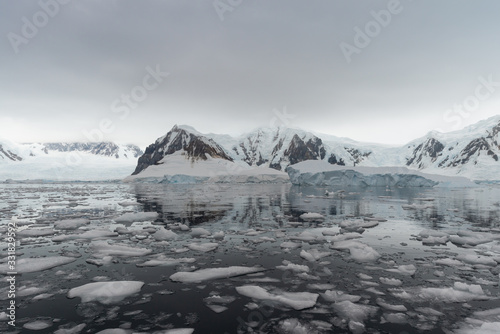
x,y
193,145
473,150
298,150
431,148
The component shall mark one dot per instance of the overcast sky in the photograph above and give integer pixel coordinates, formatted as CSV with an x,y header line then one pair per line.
x,y
329,65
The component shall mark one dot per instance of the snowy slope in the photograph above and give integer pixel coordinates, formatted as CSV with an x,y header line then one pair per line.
x,y
67,161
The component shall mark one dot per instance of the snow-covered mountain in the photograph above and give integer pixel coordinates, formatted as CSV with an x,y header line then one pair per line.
x,y
184,155
472,152
67,161
195,146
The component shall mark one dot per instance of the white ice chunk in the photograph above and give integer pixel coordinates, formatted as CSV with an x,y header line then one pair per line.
x,y
477,259
103,248
136,217
295,300
70,224
35,232
339,296
391,281
106,292
198,232
408,269
356,314
293,267
115,331
38,325
29,265
163,234
204,247
213,273
360,252
71,330
312,216
92,234
162,260
313,254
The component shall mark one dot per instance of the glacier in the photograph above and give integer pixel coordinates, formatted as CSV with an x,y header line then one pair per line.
x,y
321,173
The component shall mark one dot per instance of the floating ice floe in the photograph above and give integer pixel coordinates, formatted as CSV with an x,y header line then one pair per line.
x,y
470,238
38,325
35,232
290,245
313,255
163,234
459,293
88,235
357,225
312,216
339,296
70,224
213,273
391,307
391,281
130,217
115,331
355,314
287,265
176,331
106,292
103,248
307,237
295,300
405,269
477,259
481,322
359,251
29,265
198,232
162,260
203,247
70,330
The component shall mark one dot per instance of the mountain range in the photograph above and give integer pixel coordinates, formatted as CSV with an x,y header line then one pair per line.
x,y
472,152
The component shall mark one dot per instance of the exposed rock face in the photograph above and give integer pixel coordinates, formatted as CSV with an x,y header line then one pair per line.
x,y
7,154
179,139
107,149
280,147
431,148
460,150
298,150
